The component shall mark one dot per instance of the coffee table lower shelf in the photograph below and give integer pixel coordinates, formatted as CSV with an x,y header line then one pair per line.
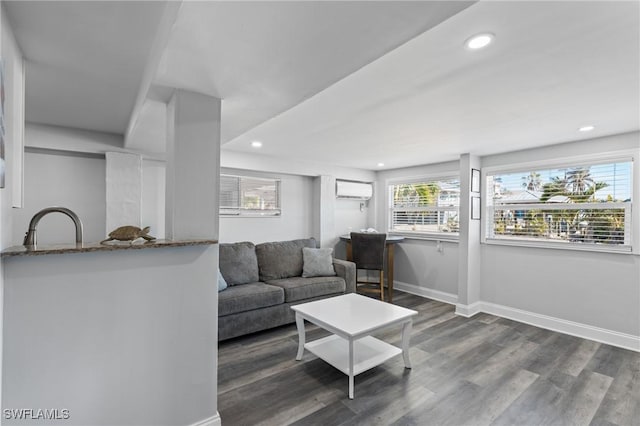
x,y
368,352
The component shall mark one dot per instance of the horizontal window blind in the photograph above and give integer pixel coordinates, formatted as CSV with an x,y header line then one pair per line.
x,y
579,205
425,207
249,196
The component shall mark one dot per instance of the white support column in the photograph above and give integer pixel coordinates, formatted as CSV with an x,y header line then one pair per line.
x,y
325,206
469,243
193,166
123,190
192,187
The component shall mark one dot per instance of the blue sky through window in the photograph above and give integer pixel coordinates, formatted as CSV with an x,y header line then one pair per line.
x,y
617,176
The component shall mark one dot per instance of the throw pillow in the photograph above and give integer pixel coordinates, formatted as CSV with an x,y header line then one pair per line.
x,y
317,262
222,284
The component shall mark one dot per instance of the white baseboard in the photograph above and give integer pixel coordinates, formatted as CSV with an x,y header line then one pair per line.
x,y
602,335
440,296
468,310
610,337
210,421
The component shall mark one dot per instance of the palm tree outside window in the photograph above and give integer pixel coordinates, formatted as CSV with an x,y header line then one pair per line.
x,y
579,205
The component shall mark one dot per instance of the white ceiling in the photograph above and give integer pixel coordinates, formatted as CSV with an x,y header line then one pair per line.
x,y
554,66
263,58
344,83
85,59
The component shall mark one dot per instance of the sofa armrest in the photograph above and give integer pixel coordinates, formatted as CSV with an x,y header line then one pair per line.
x,y
346,270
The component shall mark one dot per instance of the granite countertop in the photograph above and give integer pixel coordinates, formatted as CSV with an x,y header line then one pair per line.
x,y
44,249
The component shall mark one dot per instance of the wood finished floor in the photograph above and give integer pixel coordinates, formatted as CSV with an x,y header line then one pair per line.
x,y
483,370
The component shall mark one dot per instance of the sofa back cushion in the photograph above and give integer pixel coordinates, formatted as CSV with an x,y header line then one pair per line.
x,y
238,263
282,259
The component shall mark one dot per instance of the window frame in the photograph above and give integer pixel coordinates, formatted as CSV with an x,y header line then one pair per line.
x,y
631,217
418,235
240,211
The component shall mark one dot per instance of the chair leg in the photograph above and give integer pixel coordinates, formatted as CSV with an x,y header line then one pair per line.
x,y
382,285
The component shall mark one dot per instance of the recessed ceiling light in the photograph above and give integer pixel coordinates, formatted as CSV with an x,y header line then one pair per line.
x,y
380,164
479,41
256,144
586,128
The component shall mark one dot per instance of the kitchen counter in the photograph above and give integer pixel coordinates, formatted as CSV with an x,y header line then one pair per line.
x,y
45,249
94,325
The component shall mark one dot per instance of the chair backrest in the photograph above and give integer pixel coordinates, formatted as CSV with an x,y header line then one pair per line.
x,y
367,250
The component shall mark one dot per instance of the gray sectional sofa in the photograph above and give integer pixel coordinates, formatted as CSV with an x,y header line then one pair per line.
x,y
265,280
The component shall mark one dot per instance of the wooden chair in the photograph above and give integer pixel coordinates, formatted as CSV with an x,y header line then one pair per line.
x,y
367,251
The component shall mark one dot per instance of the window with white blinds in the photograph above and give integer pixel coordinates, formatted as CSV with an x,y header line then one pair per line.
x,y
249,196
429,206
583,206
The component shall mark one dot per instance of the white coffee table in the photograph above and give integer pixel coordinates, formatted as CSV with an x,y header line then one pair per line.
x,y
352,319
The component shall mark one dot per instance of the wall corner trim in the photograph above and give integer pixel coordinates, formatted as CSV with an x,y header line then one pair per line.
x,y
429,293
209,421
468,311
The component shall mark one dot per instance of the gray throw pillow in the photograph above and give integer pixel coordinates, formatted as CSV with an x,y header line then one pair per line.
x,y
317,262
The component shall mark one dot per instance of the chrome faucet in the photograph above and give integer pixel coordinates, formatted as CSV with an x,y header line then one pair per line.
x,y
30,237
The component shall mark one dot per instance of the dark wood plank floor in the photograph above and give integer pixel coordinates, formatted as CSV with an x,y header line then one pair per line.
x,y
483,370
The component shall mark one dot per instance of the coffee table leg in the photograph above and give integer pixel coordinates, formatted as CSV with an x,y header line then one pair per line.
x,y
406,336
301,336
350,369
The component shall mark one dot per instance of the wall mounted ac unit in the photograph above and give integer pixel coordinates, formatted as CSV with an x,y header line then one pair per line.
x,y
353,190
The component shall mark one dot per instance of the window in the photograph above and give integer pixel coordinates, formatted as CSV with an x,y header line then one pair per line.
x,y
249,196
428,206
582,206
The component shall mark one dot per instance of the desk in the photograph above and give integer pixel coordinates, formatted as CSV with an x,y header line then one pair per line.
x,y
392,240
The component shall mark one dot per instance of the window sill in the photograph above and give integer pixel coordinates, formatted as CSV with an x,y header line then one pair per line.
x,y
248,216
597,248
452,238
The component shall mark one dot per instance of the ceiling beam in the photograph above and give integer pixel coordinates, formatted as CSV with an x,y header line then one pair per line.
x,y
165,28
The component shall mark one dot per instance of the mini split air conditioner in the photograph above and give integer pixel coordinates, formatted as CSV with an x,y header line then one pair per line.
x,y
353,190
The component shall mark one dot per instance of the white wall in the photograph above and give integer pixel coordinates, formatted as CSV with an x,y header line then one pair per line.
x,y
69,180
13,65
421,266
72,140
64,167
301,202
13,108
11,194
75,175
297,215
6,196
347,213
349,216
429,265
265,163
596,289
153,196
123,190
69,187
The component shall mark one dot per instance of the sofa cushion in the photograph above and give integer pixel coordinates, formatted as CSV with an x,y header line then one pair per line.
x,y
238,263
317,262
247,297
298,288
281,259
